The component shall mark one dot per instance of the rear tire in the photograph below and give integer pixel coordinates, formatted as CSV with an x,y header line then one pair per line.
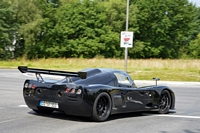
x,y
102,107
164,102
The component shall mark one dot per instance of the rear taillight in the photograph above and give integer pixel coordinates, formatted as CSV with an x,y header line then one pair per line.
x,y
67,90
26,85
30,86
78,91
73,91
33,86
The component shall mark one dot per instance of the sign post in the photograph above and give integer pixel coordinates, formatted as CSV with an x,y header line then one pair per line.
x,y
126,42
126,38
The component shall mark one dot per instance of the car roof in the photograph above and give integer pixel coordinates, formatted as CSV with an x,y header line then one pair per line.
x,y
99,70
94,71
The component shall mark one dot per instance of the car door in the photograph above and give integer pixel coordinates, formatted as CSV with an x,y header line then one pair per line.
x,y
137,98
133,98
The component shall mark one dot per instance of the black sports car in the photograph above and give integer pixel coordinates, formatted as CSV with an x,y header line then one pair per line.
x,y
93,92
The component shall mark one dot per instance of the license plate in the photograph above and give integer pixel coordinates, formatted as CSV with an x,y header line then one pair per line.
x,y
49,104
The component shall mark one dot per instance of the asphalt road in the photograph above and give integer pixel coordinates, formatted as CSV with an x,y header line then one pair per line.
x,y
16,117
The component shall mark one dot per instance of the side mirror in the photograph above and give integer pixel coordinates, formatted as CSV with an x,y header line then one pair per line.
x,y
156,79
134,85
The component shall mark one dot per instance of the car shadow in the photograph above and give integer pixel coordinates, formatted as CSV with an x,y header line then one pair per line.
x,y
63,116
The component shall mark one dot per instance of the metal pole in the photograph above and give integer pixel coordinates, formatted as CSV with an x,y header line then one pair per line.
x,y
126,49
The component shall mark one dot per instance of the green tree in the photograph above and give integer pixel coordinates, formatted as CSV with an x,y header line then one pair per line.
x,y
28,16
8,29
85,28
79,31
164,27
116,17
194,48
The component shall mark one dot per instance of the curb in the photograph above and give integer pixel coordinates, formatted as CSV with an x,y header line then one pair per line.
x,y
152,82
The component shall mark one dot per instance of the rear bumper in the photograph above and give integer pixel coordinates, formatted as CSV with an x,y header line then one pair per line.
x,y
70,103
73,107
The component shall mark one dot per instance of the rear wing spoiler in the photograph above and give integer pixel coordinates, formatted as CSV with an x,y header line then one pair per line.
x,y
25,69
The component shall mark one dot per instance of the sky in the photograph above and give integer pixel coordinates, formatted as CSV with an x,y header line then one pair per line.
x,y
195,1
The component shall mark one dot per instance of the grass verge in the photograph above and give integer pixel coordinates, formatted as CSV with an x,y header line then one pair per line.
x,y
140,69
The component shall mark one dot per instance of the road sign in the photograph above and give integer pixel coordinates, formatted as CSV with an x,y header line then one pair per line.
x,y
126,39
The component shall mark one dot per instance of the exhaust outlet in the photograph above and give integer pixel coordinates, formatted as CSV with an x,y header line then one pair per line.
x,y
59,94
39,91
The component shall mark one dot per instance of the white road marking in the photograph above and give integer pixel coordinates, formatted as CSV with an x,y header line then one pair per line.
x,y
181,116
23,106
176,116
9,120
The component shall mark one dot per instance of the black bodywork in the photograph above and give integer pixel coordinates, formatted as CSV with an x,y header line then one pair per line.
x,y
94,92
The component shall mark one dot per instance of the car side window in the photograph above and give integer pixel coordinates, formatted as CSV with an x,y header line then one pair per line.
x,y
122,79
